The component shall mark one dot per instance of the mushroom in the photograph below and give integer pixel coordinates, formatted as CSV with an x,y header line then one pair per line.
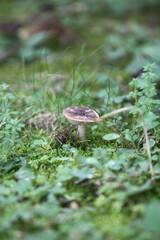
x,y
80,116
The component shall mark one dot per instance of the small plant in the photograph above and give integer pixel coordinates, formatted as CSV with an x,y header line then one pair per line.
x,y
10,125
144,93
144,89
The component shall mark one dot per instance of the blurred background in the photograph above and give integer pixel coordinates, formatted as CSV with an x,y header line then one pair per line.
x,y
53,35
38,29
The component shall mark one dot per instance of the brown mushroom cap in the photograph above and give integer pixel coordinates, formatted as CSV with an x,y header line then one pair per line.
x,y
80,115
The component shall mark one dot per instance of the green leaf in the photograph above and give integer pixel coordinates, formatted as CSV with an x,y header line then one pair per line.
x,y
39,142
61,159
90,161
25,173
111,136
83,173
45,157
150,120
63,173
152,218
36,39
113,165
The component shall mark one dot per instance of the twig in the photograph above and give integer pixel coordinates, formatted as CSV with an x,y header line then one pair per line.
x,y
115,112
147,146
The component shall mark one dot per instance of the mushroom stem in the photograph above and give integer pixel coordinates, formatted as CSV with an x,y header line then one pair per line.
x,y
81,132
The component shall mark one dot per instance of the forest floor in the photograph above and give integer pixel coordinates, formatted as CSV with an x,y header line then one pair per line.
x,y
54,186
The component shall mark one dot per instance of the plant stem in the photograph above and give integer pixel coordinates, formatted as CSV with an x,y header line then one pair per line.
x,y
148,88
4,105
115,112
135,92
147,146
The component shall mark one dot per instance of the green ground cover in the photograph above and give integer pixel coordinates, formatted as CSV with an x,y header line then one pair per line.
x,y
52,185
